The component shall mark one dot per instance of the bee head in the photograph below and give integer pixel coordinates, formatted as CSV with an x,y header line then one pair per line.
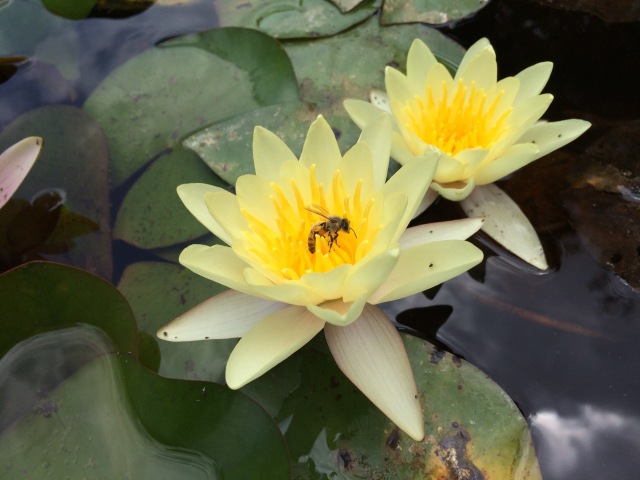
x,y
345,226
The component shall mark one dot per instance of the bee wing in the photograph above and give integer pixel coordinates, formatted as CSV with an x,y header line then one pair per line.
x,y
318,210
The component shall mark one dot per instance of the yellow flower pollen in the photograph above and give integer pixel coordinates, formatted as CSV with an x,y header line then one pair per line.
x,y
461,119
284,253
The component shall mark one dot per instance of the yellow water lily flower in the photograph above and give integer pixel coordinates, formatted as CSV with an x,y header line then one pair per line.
x,y
294,272
484,128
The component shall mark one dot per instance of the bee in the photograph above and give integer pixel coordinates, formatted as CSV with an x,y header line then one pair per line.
x,y
329,228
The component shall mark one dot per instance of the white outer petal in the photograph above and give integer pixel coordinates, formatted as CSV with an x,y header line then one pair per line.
x,y
435,232
15,163
371,354
506,223
230,314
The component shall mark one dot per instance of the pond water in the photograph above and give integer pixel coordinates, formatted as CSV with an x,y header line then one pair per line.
x,y
562,344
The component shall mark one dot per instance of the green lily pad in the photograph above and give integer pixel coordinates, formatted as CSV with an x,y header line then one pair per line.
x,y
149,103
40,296
350,65
293,18
435,12
226,147
473,430
152,215
329,70
73,10
82,413
252,51
114,419
73,162
159,292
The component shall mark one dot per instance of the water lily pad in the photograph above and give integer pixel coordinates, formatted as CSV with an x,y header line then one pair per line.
x,y
293,18
42,296
254,52
73,164
227,146
152,215
332,69
112,417
159,292
198,422
329,70
435,12
150,102
473,430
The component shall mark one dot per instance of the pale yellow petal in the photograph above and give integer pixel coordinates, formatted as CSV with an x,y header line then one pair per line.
x,y
473,51
398,86
223,208
357,167
254,195
419,61
370,352
480,69
271,341
328,285
217,263
15,163
424,266
528,112
368,274
516,156
450,169
292,292
192,195
230,314
321,148
455,191
532,80
269,152
470,159
362,113
436,232
400,149
377,135
439,77
550,136
338,312
413,179
506,223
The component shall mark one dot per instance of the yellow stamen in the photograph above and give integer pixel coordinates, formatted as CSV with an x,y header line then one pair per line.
x,y
460,120
282,249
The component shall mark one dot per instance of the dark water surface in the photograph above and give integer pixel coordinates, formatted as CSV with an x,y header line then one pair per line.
x,y
564,344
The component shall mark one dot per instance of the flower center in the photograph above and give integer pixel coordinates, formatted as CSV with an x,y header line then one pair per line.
x,y
468,117
314,233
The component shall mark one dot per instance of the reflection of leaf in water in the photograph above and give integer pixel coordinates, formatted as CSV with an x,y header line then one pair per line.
x,y
9,65
45,226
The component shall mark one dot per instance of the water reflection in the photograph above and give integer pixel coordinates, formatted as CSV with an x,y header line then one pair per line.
x,y
564,441
66,416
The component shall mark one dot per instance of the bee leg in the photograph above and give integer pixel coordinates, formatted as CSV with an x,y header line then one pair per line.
x,y
333,239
